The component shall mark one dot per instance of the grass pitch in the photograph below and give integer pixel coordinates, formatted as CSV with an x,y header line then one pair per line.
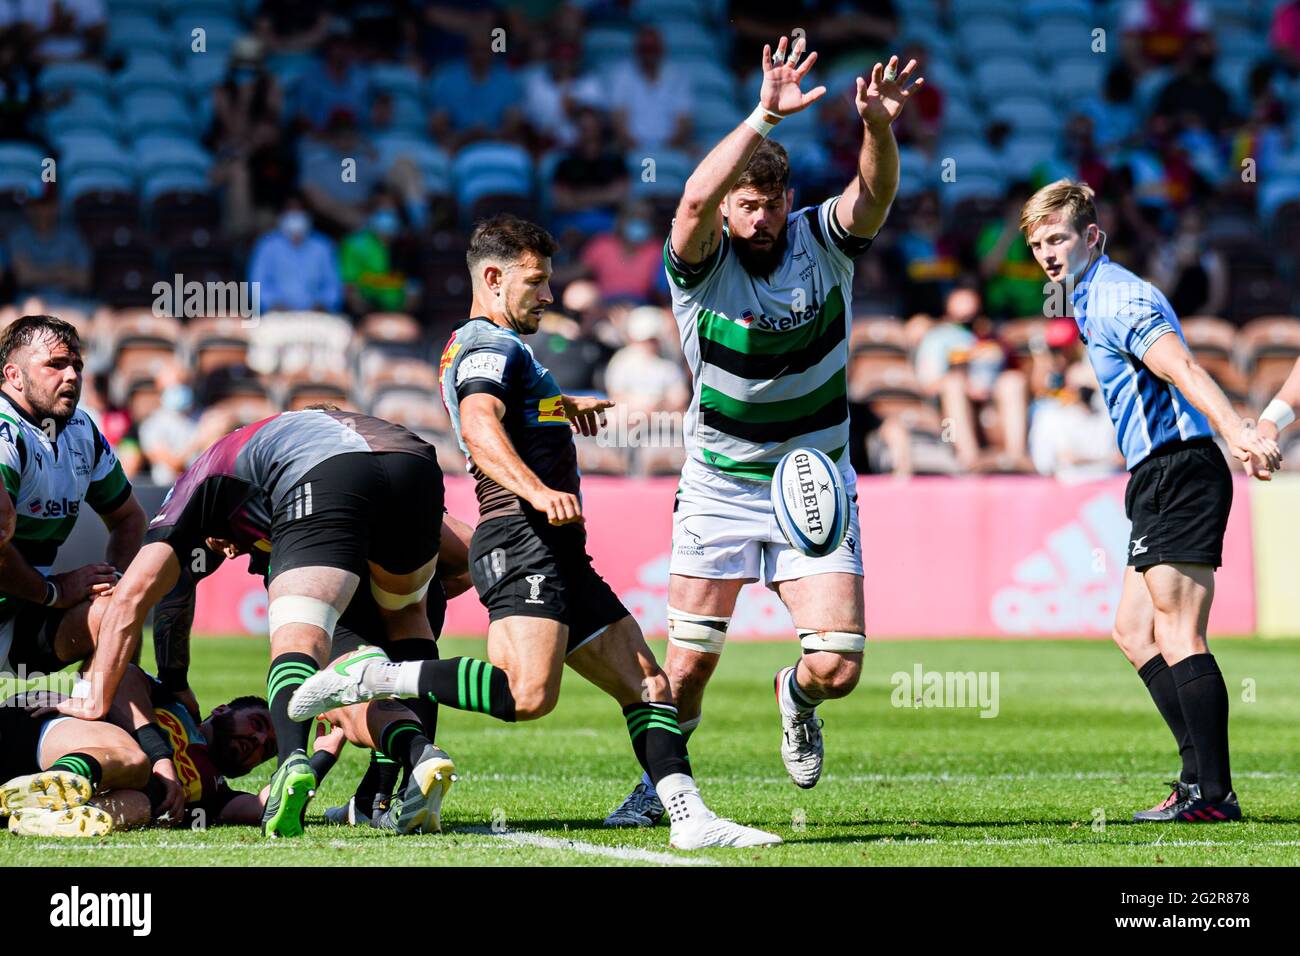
x,y
1075,747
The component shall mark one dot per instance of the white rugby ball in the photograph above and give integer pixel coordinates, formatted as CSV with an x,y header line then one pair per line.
x,y
810,501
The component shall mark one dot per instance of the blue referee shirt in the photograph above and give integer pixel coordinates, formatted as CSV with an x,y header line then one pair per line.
x,y
1119,317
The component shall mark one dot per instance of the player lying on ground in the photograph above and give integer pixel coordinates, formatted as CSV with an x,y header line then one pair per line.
x,y
547,605
52,460
762,296
319,491
1166,409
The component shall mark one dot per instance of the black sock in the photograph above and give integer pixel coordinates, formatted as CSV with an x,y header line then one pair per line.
x,y
82,764
1204,699
1159,679
288,672
378,780
424,707
468,684
658,742
404,741
322,762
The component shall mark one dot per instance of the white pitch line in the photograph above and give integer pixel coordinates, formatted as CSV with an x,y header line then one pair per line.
x,y
1092,844
898,777
590,849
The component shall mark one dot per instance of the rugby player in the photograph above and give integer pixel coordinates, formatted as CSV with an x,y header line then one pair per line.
x,y
1280,412
1166,409
52,459
547,606
762,296
334,500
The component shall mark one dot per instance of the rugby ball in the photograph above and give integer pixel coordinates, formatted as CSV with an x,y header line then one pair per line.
x,y
810,501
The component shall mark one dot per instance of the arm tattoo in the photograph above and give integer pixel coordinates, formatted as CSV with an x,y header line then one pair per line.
x,y
706,244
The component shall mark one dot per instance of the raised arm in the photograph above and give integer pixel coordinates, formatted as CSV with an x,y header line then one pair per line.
x,y
865,202
1169,359
697,229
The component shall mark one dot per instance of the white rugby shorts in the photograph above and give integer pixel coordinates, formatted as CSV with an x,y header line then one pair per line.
x,y
724,527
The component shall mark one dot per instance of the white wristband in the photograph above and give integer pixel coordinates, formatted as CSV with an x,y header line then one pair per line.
x,y
762,121
1279,413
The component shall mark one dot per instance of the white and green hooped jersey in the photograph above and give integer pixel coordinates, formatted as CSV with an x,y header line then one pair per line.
x,y
768,356
49,479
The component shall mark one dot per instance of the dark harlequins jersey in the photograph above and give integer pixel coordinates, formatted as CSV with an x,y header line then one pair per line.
x,y
48,479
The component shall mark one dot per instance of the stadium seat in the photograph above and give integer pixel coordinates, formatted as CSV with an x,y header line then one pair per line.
x,y
397,80
156,152
149,9
890,389
652,11
1270,344
485,157
173,181
1276,193
151,110
95,181
1074,10
1023,152
84,114
603,46
220,32
212,342
874,344
73,77
141,338
21,156
179,203
1001,77
129,34
409,115
202,74
984,39
286,342
1077,78
146,71
1213,341
963,11
1065,36
199,257
124,275
298,391
433,162
84,153
1027,116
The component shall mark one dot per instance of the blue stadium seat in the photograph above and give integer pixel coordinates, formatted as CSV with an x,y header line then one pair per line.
x,y
22,157
397,80
159,151
87,77
171,181
496,183
410,115
972,187
88,113
149,110
1059,37
602,46
94,180
491,157
972,158
692,42
221,32
1077,78
132,34
156,9
434,163
711,82
651,11
1023,152
671,169
231,9
1036,10
202,73
147,71
80,155
986,38
1028,114
998,78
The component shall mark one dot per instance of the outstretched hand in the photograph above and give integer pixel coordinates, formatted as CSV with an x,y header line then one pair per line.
x,y
781,78
880,100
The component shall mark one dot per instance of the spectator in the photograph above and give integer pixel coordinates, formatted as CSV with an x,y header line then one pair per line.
x,y
920,124
166,435
370,281
59,30
336,84
1013,281
1071,435
1113,113
291,26
962,363
639,378
651,103
862,29
590,183
253,162
1193,275
626,262
1194,93
47,255
556,92
294,266
1158,32
20,100
339,175
925,259
476,97
573,357
1284,35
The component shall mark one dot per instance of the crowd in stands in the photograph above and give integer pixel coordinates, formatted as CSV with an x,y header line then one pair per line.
x,y
336,155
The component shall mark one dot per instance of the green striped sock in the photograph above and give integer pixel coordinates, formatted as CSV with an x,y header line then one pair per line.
x,y
288,672
83,765
404,739
657,739
467,683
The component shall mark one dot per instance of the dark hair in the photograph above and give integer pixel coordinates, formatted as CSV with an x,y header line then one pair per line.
x,y
24,331
507,238
247,702
768,171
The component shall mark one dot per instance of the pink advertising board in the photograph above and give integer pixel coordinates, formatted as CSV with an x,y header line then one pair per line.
x,y
975,557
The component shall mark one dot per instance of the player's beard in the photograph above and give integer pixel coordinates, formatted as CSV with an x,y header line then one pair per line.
x,y
761,262
224,755
43,406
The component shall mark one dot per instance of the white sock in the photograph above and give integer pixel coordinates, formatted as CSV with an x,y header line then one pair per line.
x,y
681,798
401,678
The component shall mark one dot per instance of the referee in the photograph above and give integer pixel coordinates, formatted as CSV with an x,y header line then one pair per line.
x,y
1166,409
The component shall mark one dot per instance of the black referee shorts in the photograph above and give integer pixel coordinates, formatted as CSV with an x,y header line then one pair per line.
x,y
360,507
1178,500
521,566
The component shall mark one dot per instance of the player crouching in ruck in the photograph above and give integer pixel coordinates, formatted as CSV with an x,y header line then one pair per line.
x,y
528,560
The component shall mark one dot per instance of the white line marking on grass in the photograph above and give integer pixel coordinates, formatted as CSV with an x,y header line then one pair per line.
x,y
942,777
1056,841
590,849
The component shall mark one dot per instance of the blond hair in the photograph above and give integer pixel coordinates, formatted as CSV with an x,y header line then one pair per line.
x,y
1065,196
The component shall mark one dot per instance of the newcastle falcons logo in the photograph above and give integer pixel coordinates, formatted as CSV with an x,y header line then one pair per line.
x,y
535,588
